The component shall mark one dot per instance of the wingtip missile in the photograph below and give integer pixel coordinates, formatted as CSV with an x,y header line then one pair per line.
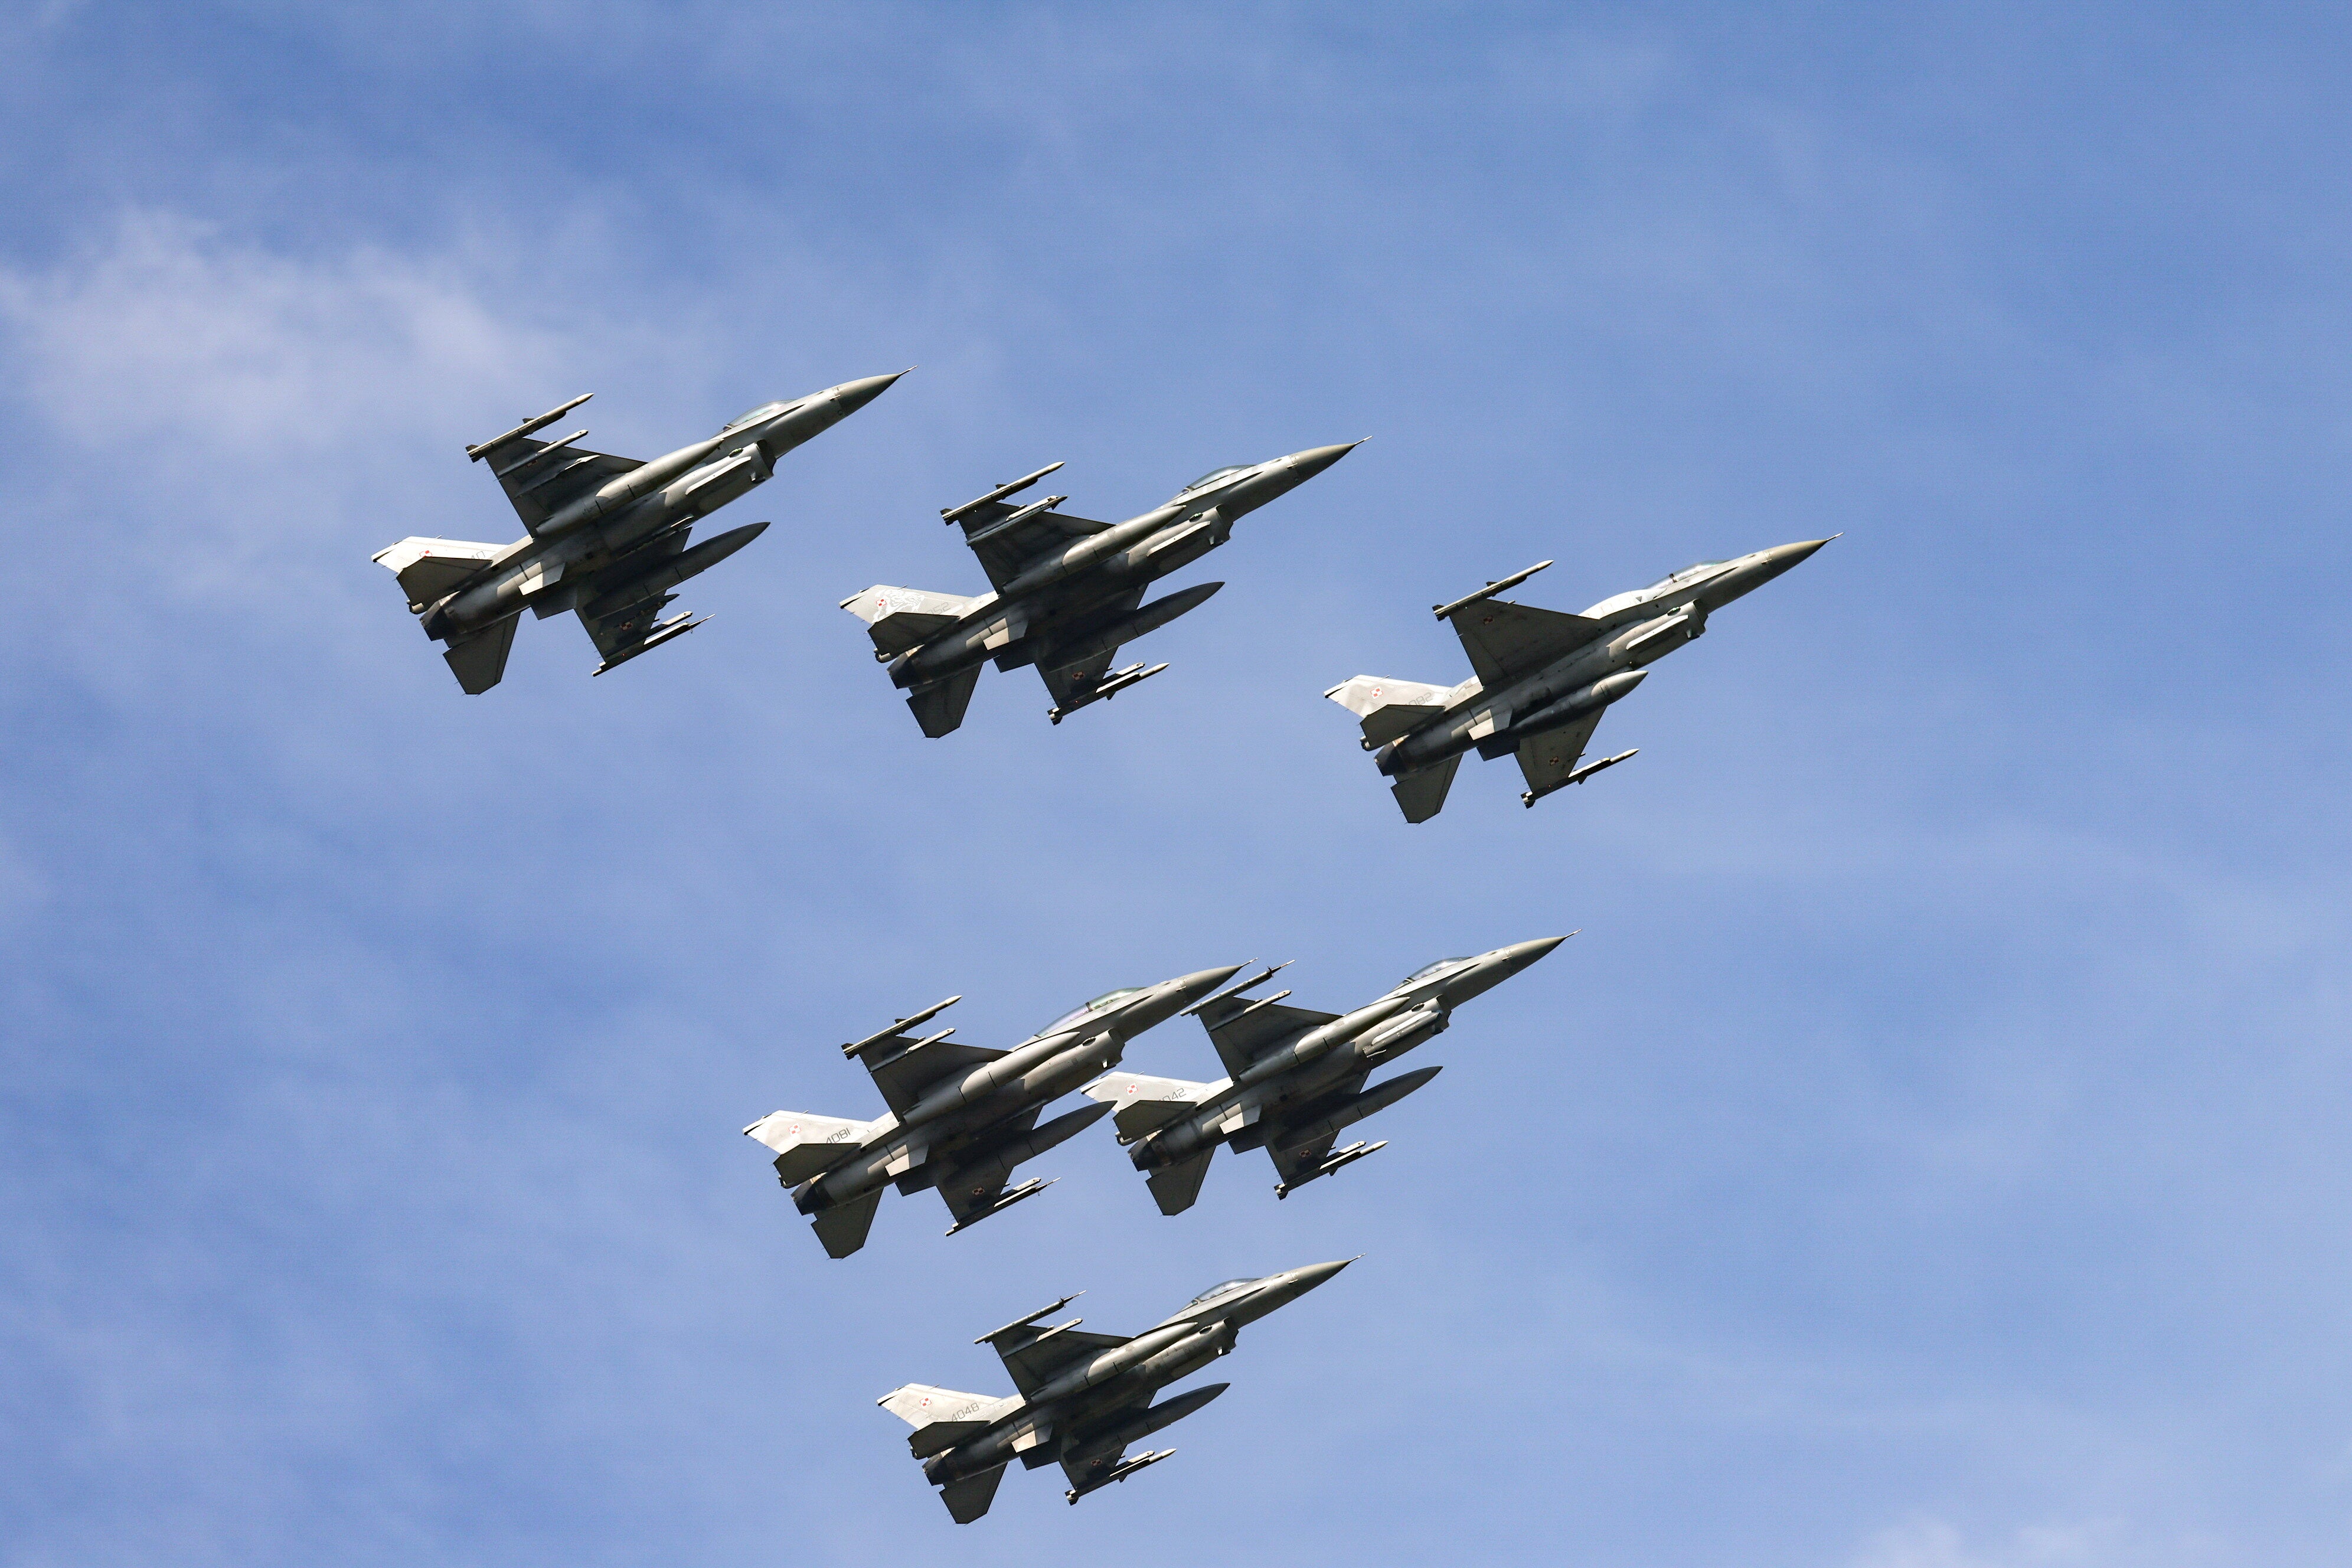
x,y
1023,1322
1028,1189
1268,972
668,631
1011,486
1488,592
1529,798
481,449
1117,682
897,1028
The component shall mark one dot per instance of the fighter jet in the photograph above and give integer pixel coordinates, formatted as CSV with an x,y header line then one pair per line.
x,y
1296,1078
961,1117
1069,591
1541,678
607,536
1081,1398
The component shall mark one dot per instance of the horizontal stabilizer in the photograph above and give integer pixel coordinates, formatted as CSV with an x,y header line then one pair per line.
x,y
429,568
968,1498
1175,1188
843,1229
939,707
1422,793
479,662
901,618
806,1145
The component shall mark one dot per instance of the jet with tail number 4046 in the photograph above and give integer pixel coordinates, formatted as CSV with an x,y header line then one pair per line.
x,y
1081,1398
1295,1079
607,536
960,1117
1068,590
1540,678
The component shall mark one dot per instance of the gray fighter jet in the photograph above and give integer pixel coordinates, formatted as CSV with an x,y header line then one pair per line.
x,y
607,536
1069,591
1540,678
960,1117
1082,1398
1296,1077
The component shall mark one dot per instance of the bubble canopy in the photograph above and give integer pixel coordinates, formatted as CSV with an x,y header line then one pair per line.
x,y
753,415
1426,970
1077,1015
1213,1291
1212,476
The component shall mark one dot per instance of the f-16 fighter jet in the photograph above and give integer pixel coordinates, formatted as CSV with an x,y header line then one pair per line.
x,y
607,536
960,1117
1540,678
1297,1077
1069,591
1082,1398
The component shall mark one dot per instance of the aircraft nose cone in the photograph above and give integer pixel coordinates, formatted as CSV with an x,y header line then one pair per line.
x,y
854,395
1192,987
1787,555
1307,464
1302,1280
1519,954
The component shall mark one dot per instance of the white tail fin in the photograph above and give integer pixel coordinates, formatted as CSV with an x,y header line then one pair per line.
x,y
808,1145
901,618
429,568
922,1406
1146,1104
1391,708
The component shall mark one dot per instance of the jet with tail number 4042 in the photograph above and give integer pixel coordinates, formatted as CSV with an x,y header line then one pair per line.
x,y
1540,678
1081,1398
1295,1077
1068,590
960,1117
607,536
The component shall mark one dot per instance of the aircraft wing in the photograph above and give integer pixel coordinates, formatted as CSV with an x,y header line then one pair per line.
x,y
617,633
1506,640
1036,1356
1003,552
1548,758
1075,684
1242,1033
1295,1163
542,478
907,1073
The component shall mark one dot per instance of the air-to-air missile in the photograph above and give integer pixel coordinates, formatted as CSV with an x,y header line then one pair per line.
x,y
960,1118
1541,678
1081,1398
1296,1078
1068,590
607,536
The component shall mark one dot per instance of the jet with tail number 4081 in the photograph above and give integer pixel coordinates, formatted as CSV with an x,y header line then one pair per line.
x,y
961,1117
1540,678
1295,1077
607,536
1068,590
1081,1398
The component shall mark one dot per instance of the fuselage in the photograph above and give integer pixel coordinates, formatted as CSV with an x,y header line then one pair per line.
x,y
1304,1070
1066,1413
1075,595
549,569
955,1126
1637,629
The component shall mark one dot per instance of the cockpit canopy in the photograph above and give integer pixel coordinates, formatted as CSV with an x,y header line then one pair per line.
x,y
1213,1291
1672,580
1212,476
753,417
1077,1015
1426,970
1697,569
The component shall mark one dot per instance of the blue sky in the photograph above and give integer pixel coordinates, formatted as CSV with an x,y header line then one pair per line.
x,y
1931,1155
